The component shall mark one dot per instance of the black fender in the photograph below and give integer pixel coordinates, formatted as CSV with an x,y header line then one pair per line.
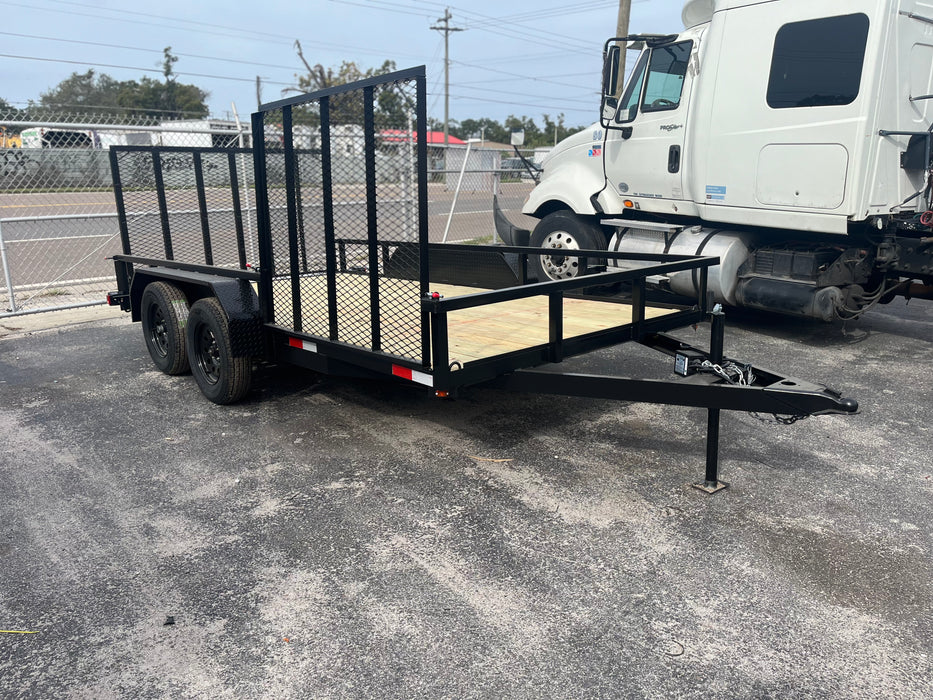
x,y
236,296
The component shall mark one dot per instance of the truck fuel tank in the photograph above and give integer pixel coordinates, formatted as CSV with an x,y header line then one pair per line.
x,y
731,247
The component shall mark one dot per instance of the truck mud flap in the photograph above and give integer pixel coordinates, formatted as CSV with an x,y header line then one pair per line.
x,y
482,268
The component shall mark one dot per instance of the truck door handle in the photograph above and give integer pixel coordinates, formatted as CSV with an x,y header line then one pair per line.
x,y
673,159
626,132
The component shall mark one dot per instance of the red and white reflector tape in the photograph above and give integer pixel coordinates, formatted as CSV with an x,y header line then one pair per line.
x,y
302,344
413,375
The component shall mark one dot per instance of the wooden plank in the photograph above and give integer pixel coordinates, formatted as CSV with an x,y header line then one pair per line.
x,y
473,334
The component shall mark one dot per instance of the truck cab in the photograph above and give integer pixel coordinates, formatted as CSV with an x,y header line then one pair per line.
x,y
767,130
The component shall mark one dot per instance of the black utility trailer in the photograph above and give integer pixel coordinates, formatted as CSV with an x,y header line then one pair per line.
x,y
317,254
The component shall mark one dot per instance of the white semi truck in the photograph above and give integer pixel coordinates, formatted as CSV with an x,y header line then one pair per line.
x,y
791,139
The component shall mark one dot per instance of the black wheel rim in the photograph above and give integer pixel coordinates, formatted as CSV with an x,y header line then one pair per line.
x,y
208,355
158,330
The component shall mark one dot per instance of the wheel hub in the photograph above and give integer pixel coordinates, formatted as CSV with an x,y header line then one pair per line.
x,y
560,266
158,332
208,355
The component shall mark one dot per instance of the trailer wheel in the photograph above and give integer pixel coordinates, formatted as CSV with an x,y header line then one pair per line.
x,y
563,231
221,377
164,313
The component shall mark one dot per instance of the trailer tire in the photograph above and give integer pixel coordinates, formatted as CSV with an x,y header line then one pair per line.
x,y
222,378
564,230
164,314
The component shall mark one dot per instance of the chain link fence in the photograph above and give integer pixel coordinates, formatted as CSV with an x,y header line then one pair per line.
x,y
58,221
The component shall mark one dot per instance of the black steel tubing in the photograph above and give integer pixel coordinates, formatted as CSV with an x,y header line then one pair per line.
x,y
799,398
556,326
327,202
369,139
397,77
468,301
190,267
263,221
421,120
711,479
121,207
291,207
639,294
237,210
163,205
202,209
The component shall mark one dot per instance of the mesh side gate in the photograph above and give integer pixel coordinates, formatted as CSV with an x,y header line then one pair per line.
x,y
345,207
187,205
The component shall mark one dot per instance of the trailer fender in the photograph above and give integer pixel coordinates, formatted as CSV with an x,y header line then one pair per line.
x,y
237,298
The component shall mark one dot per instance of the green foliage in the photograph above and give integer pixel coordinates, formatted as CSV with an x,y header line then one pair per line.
x,y
8,111
390,110
491,130
93,92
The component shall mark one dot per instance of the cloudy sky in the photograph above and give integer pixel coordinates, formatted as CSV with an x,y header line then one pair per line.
x,y
525,57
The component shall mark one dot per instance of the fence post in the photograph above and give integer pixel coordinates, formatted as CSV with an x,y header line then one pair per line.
x,y
453,204
6,270
241,140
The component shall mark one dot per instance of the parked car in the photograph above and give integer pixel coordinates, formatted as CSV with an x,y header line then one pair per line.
x,y
515,167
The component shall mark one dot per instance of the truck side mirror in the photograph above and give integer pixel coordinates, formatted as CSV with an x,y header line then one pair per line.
x,y
610,101
518,137
611,71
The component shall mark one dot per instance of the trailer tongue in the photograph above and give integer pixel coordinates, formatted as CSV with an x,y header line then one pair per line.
x,y
348,283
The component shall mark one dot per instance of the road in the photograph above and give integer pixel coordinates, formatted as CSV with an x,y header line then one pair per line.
x,y
338,538
52,253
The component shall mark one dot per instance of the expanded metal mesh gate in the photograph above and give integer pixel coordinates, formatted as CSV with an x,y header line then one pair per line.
x,y
342,194
189,205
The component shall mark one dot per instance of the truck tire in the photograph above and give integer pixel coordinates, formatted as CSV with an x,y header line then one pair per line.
x,y
563,231
221,377
164,313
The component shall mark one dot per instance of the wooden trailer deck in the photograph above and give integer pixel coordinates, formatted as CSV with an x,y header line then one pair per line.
x,y
473,334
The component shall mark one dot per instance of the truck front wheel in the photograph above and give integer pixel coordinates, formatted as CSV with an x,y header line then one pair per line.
x,y
562,232
164,312
221,377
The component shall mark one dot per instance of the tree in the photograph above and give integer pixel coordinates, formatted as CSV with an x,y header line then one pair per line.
x,y
392,107
91,92
485,128
8,111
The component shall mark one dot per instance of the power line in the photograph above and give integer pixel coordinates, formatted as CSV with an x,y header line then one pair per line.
x,y
512,92
266,37
139,49
145,70
517,75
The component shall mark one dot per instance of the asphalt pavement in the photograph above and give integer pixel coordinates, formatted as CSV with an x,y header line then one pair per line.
x,y
351,539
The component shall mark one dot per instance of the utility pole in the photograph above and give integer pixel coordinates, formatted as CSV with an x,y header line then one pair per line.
x,y
625,7
447,29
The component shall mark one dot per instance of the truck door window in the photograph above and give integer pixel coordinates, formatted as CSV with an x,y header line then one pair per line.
x,y
818,62
666,73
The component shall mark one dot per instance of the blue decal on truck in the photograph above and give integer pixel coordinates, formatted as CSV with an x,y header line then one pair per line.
x,y
716,192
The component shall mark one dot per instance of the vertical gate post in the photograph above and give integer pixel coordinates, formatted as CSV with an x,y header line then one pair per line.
x,y
711,482
6,271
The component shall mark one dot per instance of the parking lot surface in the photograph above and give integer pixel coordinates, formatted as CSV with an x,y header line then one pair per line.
x,y
339,538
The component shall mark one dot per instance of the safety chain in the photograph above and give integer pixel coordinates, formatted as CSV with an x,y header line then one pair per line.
x,y
730,371
776,418
745,376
